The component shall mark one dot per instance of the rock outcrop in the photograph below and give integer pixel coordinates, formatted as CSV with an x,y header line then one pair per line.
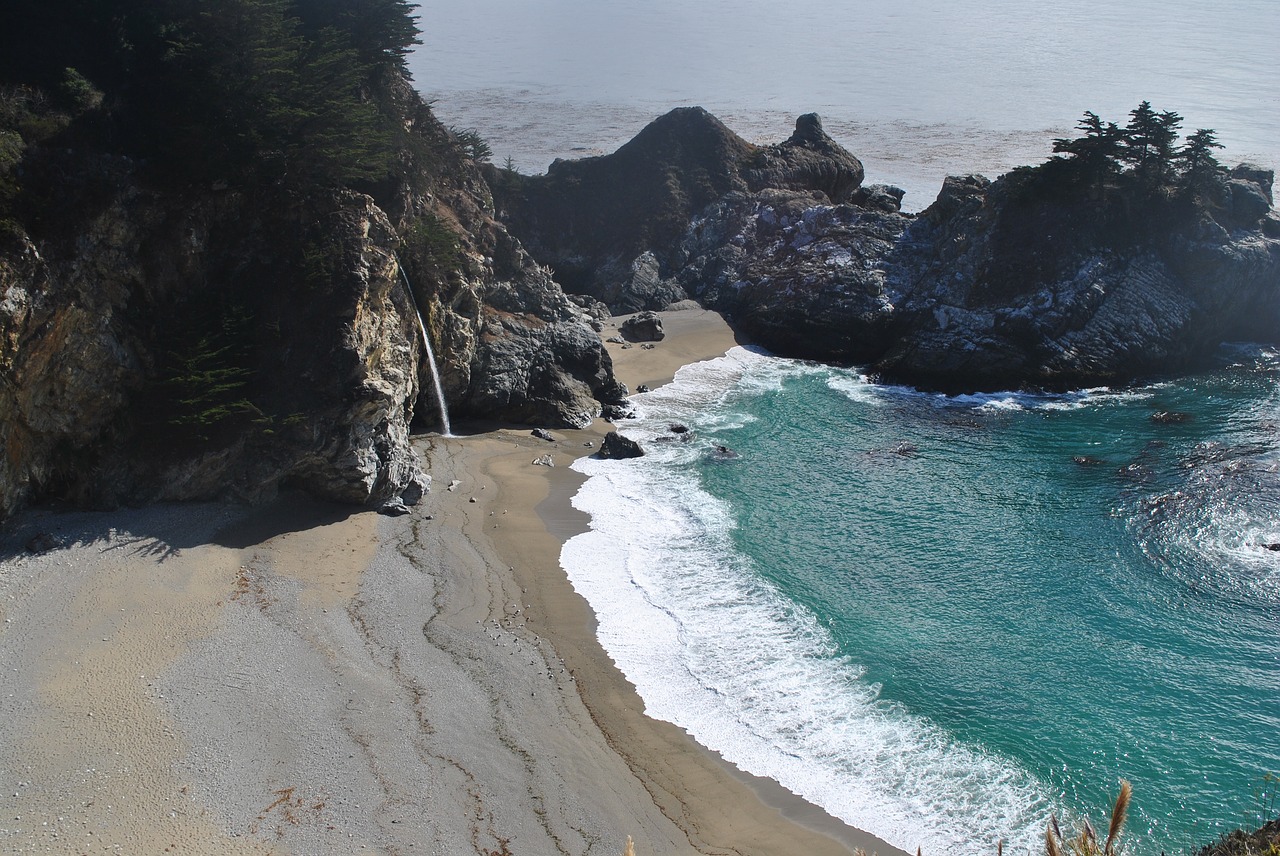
x,y
611,226
617,447
174,342
1030,280
123,383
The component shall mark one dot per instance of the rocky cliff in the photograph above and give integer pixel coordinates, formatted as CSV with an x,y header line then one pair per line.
x,y
1030,280
161,340
611,226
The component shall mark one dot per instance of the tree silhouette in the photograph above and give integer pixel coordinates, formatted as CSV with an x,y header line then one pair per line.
x,y
1149,143
1201,171
1096,154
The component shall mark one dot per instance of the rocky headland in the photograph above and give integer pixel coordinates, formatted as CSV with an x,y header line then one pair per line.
x,y
1045,277
182,331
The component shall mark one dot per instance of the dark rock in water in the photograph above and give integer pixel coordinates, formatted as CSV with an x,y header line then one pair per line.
x,y
1136,471
1248,203
1271,225
720,452
42,543
879,197
614,412
1171,417
1275,548
1088,460
1259,176
543,434
678,428
617,446
644,387
644,327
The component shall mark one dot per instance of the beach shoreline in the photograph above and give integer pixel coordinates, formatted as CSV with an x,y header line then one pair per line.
x,y
306,678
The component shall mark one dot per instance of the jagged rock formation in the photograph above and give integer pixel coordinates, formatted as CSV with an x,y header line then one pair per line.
x,y
168,343
999,284
610,226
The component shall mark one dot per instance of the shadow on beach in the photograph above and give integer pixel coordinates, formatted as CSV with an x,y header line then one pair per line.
x,y
162,531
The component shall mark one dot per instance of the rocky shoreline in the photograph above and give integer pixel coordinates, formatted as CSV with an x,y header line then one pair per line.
x,y
1022,282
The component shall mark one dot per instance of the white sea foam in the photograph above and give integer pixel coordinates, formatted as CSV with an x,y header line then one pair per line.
x,y
859,388
716,649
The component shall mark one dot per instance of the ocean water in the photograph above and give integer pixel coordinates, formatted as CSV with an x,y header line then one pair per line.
x,y
918,89
944,619
923,613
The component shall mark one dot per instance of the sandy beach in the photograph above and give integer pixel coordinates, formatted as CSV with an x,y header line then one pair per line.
x,y
304,678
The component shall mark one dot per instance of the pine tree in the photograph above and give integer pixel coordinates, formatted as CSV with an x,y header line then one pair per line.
x,y
1201,171
382,32
1097,153
1150,139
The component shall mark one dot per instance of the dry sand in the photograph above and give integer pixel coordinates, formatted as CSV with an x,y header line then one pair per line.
x,y
308,679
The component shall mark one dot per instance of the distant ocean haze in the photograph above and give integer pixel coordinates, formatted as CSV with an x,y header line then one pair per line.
x,y
918,90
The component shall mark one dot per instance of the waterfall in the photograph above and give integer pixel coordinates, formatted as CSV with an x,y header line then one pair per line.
x,y
446,429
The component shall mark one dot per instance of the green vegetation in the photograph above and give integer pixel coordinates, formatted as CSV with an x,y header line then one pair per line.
x,y
432,251
1142,155
201,391
473,145
256,93
1110,187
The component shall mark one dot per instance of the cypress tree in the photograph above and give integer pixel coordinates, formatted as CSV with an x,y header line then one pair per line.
x,y
1096,154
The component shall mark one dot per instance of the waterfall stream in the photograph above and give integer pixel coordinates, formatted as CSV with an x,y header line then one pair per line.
x,y
446,429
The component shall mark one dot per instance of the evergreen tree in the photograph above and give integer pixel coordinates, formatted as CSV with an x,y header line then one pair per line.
x,y
1201,171
257,100
1150,139
382,32
1096,155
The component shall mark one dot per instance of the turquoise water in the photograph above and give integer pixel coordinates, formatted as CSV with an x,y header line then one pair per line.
x,y
944,619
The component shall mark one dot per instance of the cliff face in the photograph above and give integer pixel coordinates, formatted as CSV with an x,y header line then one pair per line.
x,y
1021,281
167,343
999,290
126,380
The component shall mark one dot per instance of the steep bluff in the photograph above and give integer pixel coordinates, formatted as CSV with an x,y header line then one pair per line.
x,y
163,340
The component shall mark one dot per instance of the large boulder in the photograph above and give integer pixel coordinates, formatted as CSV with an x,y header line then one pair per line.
x,y
643,327
616,446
